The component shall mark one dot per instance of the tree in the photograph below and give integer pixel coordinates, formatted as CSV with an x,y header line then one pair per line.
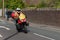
x,y
0,3
13,4
57,4
42,4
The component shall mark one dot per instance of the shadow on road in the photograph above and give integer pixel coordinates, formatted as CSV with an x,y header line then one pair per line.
x,y
11,36
14,35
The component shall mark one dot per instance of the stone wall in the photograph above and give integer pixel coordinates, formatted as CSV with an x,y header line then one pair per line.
x,y
49,17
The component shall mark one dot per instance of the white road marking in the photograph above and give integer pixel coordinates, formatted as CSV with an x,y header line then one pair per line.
x,y
43,36
5,27
1,36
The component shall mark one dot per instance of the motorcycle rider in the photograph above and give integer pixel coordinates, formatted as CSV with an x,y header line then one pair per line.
x,y
8,13
18,16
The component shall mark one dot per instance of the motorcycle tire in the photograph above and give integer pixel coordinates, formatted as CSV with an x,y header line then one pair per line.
x,y
18,28
25,30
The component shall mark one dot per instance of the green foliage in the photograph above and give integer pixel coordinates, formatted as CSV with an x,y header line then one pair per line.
x,y
13,4
42,5
32,5
0,3
57,4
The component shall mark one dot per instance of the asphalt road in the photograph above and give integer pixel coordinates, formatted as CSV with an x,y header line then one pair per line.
x,y
8,32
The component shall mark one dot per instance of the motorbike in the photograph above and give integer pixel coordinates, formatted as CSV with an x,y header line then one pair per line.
x,y
22,25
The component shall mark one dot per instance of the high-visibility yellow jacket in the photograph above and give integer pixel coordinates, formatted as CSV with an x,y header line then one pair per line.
x,y
22,16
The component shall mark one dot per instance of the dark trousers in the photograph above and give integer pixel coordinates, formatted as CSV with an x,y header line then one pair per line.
x,y
8,16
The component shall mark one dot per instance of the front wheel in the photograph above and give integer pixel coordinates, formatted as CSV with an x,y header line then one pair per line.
x,y
25,30
18,27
